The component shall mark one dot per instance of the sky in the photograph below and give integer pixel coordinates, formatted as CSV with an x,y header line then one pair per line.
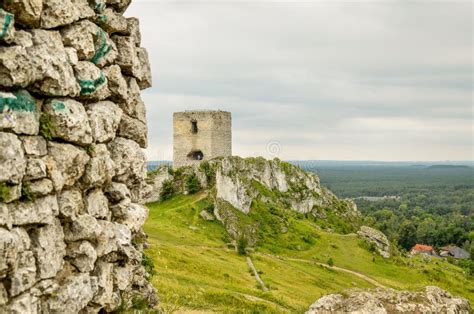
x,y
332,80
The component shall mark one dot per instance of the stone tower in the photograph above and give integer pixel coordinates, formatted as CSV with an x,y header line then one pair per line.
x,y
201,135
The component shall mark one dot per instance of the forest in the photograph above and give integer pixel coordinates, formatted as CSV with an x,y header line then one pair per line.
x,y
434,203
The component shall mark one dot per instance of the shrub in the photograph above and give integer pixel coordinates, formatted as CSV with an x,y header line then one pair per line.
x,y
242,244
26,192
147,262
330,262
167,191
46,127
192,184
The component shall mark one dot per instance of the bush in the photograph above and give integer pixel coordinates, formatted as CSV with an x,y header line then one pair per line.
x,y
46,127
167,190
242,244
330,262
192,184
147,262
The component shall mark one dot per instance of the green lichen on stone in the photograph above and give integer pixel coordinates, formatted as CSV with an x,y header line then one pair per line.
x,y
101,46
58,106
99,6
7,19
46,126
4,192
102,18
90,86
22,101
26,194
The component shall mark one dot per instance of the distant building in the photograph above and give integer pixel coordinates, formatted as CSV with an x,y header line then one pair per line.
x,y
201,135
453,251
423,249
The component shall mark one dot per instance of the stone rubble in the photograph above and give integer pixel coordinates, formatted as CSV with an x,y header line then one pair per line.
x,y
72,125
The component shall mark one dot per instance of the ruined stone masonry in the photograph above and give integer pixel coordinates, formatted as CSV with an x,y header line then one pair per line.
x,y
72,125
201,135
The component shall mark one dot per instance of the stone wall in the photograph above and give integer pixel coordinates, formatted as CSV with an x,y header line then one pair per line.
x,y
213,137
72,125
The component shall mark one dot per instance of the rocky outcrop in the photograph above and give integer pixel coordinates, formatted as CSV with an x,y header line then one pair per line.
x,y
376,239
71,168
380,300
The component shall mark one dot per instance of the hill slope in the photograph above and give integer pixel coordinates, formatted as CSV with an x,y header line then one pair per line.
x,y
197,271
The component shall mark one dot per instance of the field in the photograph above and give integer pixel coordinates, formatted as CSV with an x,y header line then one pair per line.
x,y
196,271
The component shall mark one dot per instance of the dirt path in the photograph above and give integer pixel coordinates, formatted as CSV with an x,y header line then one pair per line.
x,y
360,275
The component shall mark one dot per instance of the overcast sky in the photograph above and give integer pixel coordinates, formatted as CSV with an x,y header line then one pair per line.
x,y
353,80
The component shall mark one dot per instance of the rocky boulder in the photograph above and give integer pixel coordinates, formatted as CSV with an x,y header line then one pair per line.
x,y
377,239
380,300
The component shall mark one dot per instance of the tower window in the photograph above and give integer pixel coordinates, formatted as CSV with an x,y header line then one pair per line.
x,y
194,127
196,155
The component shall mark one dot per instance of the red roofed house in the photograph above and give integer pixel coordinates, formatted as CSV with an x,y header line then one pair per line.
x,y
423,249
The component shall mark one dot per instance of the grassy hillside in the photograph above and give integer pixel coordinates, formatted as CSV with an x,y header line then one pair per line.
x,y
196,271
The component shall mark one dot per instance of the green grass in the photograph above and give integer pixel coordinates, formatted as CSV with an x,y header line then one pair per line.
x,y
195,270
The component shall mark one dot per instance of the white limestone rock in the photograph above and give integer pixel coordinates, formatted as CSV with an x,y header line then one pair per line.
x,y
24,303
5,220
133,129
7,26
49,249
66,164
104,118
24,242
92,81
70,204
40,211
129,159
101,169
144,78
117,84
8,251
128,58
24,275
35,169
12,159
69,121
156,179
34,145
104,273
112,22
40,187
134,105
117,192
72,295
96,204
385,300
62,12
19,112
119,5
27,12
82,255
134,30
84,227
134,217
376,238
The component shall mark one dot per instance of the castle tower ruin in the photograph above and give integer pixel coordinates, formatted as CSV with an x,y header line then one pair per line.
x,y
201,135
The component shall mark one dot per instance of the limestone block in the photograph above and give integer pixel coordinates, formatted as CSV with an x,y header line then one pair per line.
x,y
117,192
127,57
134,106
40,211
8,251
96,204
133,129
5,220
134,217
117,84
104,273
84,227
62,12
122,276
73,295
119,5
134,30
70,203
104,118
66,164
106,242
144,78
129,159
27,12
19,112
120,209
69,121
3,296
377,238
100,169
91,42
24,242
112,22
12,159
71,54
24,276
82,255
92,81
34,145
14,193
49,248
7,26
41,187
22,38
35,169
24,303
